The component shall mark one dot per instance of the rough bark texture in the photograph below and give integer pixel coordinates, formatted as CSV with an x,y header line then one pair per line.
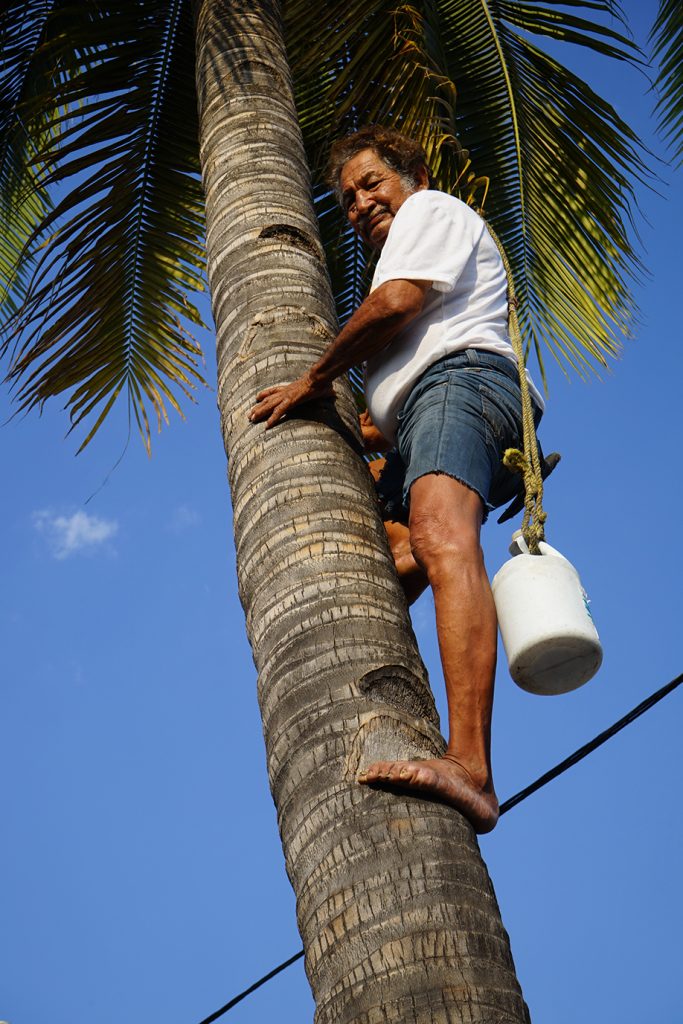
x,y
395,906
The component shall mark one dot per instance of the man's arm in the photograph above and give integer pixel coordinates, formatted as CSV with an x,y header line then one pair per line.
x,y
376,322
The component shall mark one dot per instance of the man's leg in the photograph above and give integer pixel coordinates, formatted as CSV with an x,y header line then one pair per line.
x,y
411,576
445,523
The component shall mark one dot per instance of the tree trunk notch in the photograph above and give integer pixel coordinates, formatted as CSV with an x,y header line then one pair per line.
x,y
394,903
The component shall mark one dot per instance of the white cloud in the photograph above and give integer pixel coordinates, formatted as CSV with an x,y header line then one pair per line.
x,y
67,535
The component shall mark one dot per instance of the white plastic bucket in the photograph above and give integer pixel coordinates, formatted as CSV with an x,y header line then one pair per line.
x,y
548,633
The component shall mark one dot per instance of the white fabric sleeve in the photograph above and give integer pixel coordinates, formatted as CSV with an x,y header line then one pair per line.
x,y
431,239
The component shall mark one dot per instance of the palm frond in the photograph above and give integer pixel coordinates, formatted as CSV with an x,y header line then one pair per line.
x,y
23,203
370,62
560,162
105,310
667,47
563,166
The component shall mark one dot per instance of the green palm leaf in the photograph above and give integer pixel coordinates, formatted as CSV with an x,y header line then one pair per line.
x,y
105,309
667,44
23,203
560,161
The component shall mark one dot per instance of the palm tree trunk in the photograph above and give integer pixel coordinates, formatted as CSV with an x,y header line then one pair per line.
x,y
394,903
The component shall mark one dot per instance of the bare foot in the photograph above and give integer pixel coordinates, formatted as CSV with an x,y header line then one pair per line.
x,y
445,780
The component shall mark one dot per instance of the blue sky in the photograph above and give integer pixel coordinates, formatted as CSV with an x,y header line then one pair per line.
x,y
142,872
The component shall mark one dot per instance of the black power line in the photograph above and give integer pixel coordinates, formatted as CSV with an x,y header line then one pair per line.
x,y
541,781
252,988
588,748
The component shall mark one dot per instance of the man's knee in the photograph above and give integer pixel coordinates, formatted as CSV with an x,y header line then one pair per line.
x,y
445,518
436,540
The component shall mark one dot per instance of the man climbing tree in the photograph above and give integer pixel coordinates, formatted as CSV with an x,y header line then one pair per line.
x,y
441,384
396,910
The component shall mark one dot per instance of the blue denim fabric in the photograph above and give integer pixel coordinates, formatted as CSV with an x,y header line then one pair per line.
x,y
460,417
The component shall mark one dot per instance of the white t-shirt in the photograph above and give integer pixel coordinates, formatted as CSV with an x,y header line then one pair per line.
x,y
436,237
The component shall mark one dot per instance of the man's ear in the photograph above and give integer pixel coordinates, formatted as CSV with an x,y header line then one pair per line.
x,y
422,178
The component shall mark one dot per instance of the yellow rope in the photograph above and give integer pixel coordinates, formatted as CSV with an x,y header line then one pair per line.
x,y
527,462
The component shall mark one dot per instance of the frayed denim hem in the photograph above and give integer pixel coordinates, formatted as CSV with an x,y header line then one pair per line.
x,y
443,472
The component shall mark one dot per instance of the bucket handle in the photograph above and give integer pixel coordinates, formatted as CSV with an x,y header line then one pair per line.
x,y
519,547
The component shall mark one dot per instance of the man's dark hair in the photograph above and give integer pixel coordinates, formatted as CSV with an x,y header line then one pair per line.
x,y
401,154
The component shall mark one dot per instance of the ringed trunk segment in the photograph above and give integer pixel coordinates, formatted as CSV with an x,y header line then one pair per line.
x,y
394,903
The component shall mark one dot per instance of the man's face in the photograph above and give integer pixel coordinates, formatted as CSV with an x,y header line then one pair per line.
x,y
372,195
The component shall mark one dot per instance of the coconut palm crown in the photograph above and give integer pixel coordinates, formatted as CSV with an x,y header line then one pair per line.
x,y
102,207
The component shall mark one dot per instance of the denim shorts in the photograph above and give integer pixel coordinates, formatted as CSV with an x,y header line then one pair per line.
x,y
460,417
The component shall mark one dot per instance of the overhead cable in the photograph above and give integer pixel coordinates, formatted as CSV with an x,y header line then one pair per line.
x,y
252,988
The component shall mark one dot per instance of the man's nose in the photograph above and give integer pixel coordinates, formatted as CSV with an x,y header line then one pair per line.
x,y
363,200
